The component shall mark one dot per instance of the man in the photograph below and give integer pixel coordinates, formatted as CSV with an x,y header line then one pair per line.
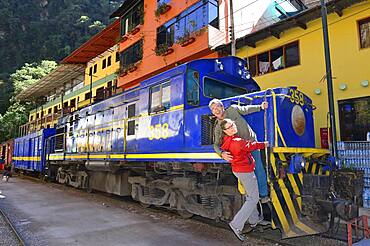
x,y
235,112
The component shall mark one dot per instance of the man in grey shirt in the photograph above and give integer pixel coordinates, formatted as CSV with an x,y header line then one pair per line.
x,y
235,112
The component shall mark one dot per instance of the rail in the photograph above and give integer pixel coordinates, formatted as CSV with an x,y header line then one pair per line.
x,y
12,228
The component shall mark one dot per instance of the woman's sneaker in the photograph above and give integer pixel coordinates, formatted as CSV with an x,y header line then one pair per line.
x,y
237,232
265,199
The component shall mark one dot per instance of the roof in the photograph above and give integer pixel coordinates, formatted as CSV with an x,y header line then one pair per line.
x,y
55,79
96,45
299,20
126,5
74,65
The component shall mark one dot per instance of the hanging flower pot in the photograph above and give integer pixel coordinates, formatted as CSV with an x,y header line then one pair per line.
x,y
124,38
188,41
163,50
132,68
162,8
135,30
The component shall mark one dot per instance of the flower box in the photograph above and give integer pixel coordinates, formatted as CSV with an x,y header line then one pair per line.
x,y
186,42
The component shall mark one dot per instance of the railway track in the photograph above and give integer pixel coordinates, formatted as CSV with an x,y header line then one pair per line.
x,y
9,234
264,233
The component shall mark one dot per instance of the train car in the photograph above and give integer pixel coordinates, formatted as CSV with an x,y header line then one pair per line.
x,y
29,151
6,154
154,143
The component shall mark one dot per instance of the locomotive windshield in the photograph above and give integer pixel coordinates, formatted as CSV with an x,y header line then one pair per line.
x,y
218,89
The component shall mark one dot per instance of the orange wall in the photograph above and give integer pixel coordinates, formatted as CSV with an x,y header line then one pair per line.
x,y
152,64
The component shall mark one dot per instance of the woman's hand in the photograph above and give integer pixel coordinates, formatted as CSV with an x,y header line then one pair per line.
x,y
226,156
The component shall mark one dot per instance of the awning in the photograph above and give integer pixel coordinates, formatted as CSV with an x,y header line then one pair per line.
x,y
62,74
96,45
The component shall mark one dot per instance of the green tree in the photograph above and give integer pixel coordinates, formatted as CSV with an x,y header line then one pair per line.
x,y
15,116
30,73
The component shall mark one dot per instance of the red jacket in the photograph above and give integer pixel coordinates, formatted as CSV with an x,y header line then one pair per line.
x,y
241,149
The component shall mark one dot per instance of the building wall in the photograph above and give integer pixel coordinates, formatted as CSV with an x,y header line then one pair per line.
x,y
98,61
151,63
100,79
350,64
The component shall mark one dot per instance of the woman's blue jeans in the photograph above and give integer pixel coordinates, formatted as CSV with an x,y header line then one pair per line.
x,y
260,174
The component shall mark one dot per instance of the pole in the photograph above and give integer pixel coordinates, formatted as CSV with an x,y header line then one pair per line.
x,y
232,31
333,137
91,82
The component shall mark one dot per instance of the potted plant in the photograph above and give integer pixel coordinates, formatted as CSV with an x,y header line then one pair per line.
x,y
186,39
163,50
162,8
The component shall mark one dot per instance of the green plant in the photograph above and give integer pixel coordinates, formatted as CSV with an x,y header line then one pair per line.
x,y
183,38
161,49
161,8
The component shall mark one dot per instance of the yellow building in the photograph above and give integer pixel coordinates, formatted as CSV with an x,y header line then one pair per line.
x,y
89,74
291,53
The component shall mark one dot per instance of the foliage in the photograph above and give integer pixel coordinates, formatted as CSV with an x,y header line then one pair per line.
x,y
30,73
31,31
161,8
161,49
15,116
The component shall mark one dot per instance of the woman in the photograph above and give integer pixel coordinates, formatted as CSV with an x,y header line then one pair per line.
x,y
242,166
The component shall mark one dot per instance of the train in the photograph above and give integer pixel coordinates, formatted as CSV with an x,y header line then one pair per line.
x,y
6,153
154,142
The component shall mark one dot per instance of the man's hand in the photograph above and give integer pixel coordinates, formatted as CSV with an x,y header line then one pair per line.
x,y
266,144
264,105
226,156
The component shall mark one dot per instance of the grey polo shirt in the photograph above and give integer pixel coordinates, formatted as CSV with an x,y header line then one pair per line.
x,y
235,112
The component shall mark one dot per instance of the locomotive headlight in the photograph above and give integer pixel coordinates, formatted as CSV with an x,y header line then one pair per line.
x,y
298,120
240,72
296,164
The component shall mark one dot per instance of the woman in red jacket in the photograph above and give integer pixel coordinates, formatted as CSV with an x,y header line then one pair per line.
x,y
242,166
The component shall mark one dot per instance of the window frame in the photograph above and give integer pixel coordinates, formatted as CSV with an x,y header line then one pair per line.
x,y
160,107
129,15
222,82
126,53
182,24
284,47
359,23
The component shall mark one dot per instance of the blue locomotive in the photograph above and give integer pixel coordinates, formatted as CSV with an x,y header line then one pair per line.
x,y
154,143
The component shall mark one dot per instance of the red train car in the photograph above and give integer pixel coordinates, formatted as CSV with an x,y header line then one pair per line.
x,y
6,153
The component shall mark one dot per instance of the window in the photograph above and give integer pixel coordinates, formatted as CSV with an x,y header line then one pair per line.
x,y
132,18
109,61
87,95
217,89
95,68
252,61
291,54
192,87
55,109
49,111
275,59
354,118
104,64
90,70
364,31
117,57
31,119
213,14
132,55
131,112
189,21
73,103
160,96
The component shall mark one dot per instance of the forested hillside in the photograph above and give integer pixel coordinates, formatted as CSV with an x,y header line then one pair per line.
x,y
35,30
